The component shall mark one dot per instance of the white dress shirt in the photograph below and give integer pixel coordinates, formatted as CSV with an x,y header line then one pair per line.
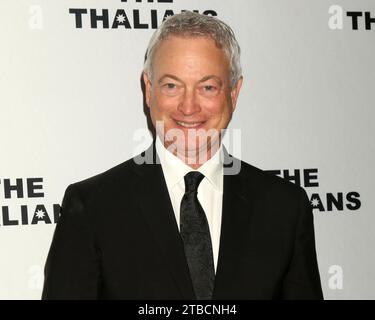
x,y
210,190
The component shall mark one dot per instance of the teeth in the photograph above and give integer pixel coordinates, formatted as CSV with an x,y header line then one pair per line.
x,y
188,125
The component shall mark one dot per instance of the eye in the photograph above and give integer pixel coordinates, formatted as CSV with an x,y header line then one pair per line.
x,y
209,88
170,86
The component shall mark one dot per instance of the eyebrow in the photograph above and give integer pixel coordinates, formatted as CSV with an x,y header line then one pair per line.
x,y
209,77
169,76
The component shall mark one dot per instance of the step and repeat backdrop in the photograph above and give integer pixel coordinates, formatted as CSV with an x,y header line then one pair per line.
x,y
71,106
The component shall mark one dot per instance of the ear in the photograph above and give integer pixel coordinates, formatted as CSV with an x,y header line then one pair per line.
x,y
235,92
147,83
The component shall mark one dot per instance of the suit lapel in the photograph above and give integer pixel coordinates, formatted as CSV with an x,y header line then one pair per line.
x,y
236,215
158,213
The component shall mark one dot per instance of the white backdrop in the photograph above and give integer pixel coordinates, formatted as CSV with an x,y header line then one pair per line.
x,y
70,102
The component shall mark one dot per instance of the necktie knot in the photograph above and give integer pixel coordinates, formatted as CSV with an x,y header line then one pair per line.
x,y
192,181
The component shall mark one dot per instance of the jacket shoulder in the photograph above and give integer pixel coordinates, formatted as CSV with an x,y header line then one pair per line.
x,y
267,181
119,176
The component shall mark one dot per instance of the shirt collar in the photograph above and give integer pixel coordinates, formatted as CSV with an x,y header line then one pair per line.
x,y
175,169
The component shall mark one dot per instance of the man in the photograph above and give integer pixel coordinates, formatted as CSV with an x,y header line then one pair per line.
x,y
185,220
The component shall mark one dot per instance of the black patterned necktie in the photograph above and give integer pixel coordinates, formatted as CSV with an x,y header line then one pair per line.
x,y
195,234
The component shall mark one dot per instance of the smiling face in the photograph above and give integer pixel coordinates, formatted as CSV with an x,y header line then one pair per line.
x,y
190,93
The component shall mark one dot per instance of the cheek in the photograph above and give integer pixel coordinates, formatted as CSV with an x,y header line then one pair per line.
x,y
218,109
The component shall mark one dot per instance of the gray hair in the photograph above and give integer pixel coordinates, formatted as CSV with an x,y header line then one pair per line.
x,y
191,24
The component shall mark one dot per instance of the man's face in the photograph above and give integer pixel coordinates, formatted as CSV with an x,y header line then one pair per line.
x,y
190,89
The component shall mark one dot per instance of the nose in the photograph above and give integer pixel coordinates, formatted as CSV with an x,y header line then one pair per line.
x,y
189,104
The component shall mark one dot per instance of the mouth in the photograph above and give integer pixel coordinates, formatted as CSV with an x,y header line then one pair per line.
x,y
190,125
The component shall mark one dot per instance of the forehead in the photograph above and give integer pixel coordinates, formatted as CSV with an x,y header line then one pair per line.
x,y
186,54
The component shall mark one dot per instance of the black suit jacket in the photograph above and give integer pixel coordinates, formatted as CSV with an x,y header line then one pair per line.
x,y
117,238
